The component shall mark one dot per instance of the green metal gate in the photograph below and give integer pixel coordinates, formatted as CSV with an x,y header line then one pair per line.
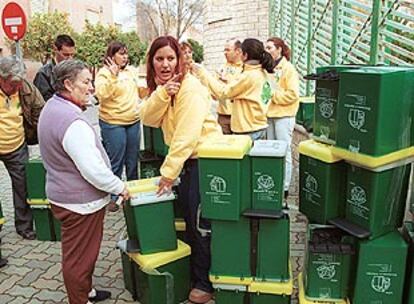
x,y
322,32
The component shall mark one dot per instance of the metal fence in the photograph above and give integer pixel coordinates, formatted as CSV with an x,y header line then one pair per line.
x,y
322,32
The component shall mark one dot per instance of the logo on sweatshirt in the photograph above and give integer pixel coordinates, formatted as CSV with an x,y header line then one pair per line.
x,y
266,93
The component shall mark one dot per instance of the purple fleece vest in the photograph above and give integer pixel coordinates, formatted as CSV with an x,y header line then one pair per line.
x,y
64,183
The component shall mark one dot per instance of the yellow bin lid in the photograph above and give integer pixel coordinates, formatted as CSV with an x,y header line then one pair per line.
x,y
2,221
155,260
275,288
143,185
304,300
38,202
226,146
318,151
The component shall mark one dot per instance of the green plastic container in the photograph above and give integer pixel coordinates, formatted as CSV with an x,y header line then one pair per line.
x,y
326,102
411,194
322,178
329,262
230,248
268,171
148,139
225,177
305,115
375,200
35,179
43,222
375,104
158,278
150,219
273,250
408,233
381,270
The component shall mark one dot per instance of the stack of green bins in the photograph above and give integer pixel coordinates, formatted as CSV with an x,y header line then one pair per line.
x,y
157,278
326,102
149,165
154,141
380,271
225,193
375,110
329,262
150,218
46,226
321,182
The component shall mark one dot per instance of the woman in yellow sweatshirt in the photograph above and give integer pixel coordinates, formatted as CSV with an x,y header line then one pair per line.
x,y
285,101
117,90
250,92
180,105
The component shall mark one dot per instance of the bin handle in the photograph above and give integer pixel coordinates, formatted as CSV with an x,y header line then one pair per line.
x,y
203,232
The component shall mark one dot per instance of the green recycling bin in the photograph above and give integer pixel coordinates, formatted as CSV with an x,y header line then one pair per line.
x,y
380,270
408,233
374,108
375,200
322,177
268,171
225,177
157,278
271,292
411,190
150,218
230,248
234,294
329,261
305,115
326,102
148,139
273,250
35,179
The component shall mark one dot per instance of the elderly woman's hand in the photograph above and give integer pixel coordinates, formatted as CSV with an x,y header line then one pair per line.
x,y
165,186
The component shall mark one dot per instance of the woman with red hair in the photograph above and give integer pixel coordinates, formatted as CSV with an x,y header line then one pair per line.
x,y
180,105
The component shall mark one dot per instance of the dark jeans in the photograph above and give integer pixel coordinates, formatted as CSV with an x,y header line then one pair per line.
x,y
15,165
189,197
122,145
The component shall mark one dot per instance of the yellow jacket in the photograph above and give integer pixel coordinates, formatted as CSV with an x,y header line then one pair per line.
x,y
118,96
11,123
230,71
186,122
285,100
250,94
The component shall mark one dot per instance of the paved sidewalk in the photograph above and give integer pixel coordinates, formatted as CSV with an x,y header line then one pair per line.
x,y
33,274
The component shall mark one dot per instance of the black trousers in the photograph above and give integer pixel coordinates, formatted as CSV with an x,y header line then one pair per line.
x,y
189,196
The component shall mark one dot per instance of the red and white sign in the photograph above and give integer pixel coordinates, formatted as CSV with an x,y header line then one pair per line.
x,y
13,20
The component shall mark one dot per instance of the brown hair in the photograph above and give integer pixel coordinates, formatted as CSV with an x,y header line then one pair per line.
x,y
114,47
157,44
186,44
279,43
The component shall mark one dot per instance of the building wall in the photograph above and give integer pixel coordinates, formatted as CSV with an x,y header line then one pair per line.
x,y
225,19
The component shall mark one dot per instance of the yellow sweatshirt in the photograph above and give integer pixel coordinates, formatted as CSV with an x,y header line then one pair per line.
x,y
118,96
11,123
285,100
186,122
230,72
250,94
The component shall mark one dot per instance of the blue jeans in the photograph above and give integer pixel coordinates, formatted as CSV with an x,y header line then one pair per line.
x,y
189,197
122,145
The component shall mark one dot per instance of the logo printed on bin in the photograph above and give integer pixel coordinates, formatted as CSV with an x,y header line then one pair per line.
x,y
358,196
326,108
381,283
326,271
356,118
218,184
265,182
311,183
